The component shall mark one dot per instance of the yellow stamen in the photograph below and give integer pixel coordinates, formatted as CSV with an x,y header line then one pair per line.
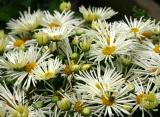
x,y
54,24
68,69
19,43
49,75
78,106
135,30
108,50
156,49
107,101
30,66
21,111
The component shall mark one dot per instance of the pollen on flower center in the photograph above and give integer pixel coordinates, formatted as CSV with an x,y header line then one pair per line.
x,y
147,100
19,43
54,24
156,49
68,69
21,111
108,50
49,75
78,106
135,30
30,66
107,101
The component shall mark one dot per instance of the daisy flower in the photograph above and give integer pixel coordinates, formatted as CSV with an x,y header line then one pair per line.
x,y
108,44
111,103
58,20
96,83
48,69
15,103
27,22
139,28
57,34
19,42
94,13
21,68
149,66
79,105
146,98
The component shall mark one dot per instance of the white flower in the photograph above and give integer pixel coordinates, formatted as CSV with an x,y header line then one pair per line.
x,y
111,103
145,97
57,34
21,64
96,83
48,69
110,43
94,13
26,22
15,103
149,65
139,28
59,20
19,42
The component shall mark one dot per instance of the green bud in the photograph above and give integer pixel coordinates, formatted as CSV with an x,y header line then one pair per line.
x,y
86,112
85,45
42,38
75,41
65,6
74,56
64,104
2,34
54,99
76,67
38,104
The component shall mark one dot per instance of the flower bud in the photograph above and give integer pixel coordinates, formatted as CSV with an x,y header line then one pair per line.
x,y
86,112
75,41
64,104
41,38
65,6
85,45
75,68
38,104
54,99
2,34
74,56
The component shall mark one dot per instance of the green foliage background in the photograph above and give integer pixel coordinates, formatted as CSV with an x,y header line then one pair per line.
x,y
11,8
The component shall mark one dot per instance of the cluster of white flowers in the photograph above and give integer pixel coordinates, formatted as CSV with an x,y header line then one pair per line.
x,y
56,64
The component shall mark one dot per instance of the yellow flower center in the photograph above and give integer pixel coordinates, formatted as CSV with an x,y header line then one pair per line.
x,y
54,24
19,43
30,66
108,50
107,101
68,69
56,38
156,49
78,106
135,30
21,111
147,100
49,75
